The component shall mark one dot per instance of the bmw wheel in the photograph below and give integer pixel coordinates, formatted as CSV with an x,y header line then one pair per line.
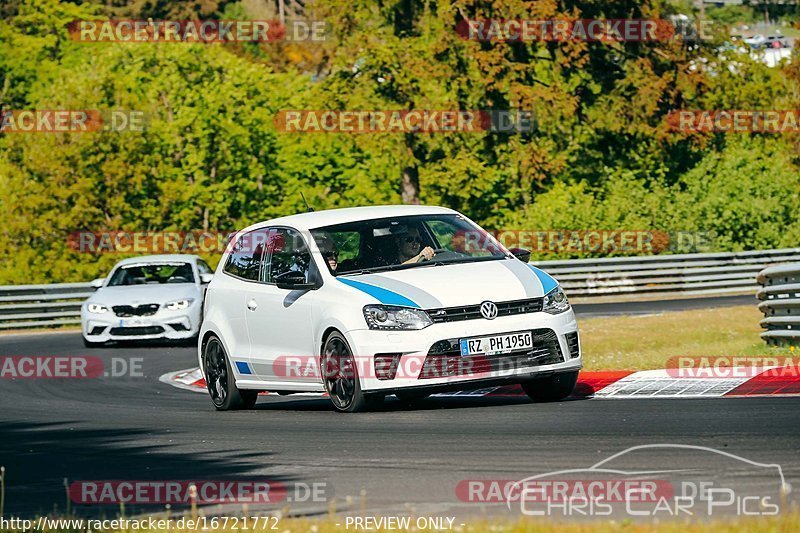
x,y
340,376
221,382
552,388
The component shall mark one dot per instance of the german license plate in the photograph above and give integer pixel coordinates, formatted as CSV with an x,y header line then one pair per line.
x,y
133,322
497,344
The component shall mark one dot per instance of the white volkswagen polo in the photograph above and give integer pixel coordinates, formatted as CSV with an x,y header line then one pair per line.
x,y
369,301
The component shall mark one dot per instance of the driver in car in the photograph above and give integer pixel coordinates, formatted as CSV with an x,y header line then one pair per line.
x,y
408,247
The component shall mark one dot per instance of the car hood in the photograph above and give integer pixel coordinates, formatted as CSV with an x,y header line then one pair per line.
x,y
145,294
431,287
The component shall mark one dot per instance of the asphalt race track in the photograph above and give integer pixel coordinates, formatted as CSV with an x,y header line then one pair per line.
x,y
137,428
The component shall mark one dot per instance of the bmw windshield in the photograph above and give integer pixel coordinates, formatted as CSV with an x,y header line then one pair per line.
x,y
404,242
152,274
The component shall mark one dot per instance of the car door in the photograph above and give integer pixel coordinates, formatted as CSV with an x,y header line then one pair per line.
x,y
279,320
229,296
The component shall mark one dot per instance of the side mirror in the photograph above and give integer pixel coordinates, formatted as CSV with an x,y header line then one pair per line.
x,y
206,278
294,281
521,254
97,283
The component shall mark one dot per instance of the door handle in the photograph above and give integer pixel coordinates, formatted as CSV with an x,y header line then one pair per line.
x,y
252,304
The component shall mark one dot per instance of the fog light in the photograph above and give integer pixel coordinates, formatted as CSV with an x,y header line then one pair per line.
x,y
386,365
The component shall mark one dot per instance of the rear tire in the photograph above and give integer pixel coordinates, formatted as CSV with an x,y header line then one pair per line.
x,y
340,377
221,382
552,388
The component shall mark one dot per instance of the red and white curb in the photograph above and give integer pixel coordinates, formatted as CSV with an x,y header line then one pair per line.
x,y
613,385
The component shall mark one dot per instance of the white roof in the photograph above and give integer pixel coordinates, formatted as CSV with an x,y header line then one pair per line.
x,y
161,258
317,219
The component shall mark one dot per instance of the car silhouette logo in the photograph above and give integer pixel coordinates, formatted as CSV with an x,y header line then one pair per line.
x,y
489,310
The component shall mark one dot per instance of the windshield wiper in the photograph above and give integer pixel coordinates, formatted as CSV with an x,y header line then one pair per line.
x,y
372,270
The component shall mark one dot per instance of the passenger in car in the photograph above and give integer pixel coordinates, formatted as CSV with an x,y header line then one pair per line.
x,y
328,250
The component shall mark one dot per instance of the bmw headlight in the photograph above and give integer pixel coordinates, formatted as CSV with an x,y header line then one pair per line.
x,y
395,317
97,308
555,302
177,305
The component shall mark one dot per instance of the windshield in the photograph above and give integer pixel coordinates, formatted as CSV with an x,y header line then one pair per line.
x,y
152,273
404,242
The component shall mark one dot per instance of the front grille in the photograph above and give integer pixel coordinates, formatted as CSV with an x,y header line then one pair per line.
x,y
473,312
444,358
136,331
572,344
135,310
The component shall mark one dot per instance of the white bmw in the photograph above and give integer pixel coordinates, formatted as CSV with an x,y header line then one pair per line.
x,y
151,297
369,301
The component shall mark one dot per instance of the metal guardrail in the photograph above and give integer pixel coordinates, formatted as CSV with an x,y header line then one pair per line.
x,y
23,306
666,275
780,303
26,306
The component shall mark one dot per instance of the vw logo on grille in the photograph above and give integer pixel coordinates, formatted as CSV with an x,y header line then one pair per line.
x,y
488,310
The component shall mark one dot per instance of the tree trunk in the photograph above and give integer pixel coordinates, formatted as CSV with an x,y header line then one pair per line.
x,y
409,187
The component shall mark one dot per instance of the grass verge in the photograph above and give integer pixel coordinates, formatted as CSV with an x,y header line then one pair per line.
x,y
648,341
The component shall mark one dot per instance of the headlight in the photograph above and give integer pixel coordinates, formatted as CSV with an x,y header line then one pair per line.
x,y
555,302
97,308
395,317
177,305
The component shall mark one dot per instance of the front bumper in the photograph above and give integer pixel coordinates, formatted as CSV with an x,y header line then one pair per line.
x,y
413,348
164,324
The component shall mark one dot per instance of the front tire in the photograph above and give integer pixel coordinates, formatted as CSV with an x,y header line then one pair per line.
x,y
221,382
551,388
340,376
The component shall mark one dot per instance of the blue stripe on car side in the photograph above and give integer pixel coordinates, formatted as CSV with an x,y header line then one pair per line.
x,y
243,368
384,296
547,281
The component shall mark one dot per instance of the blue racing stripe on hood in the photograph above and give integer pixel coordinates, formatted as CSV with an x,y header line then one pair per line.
x,y
384,296
547,281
